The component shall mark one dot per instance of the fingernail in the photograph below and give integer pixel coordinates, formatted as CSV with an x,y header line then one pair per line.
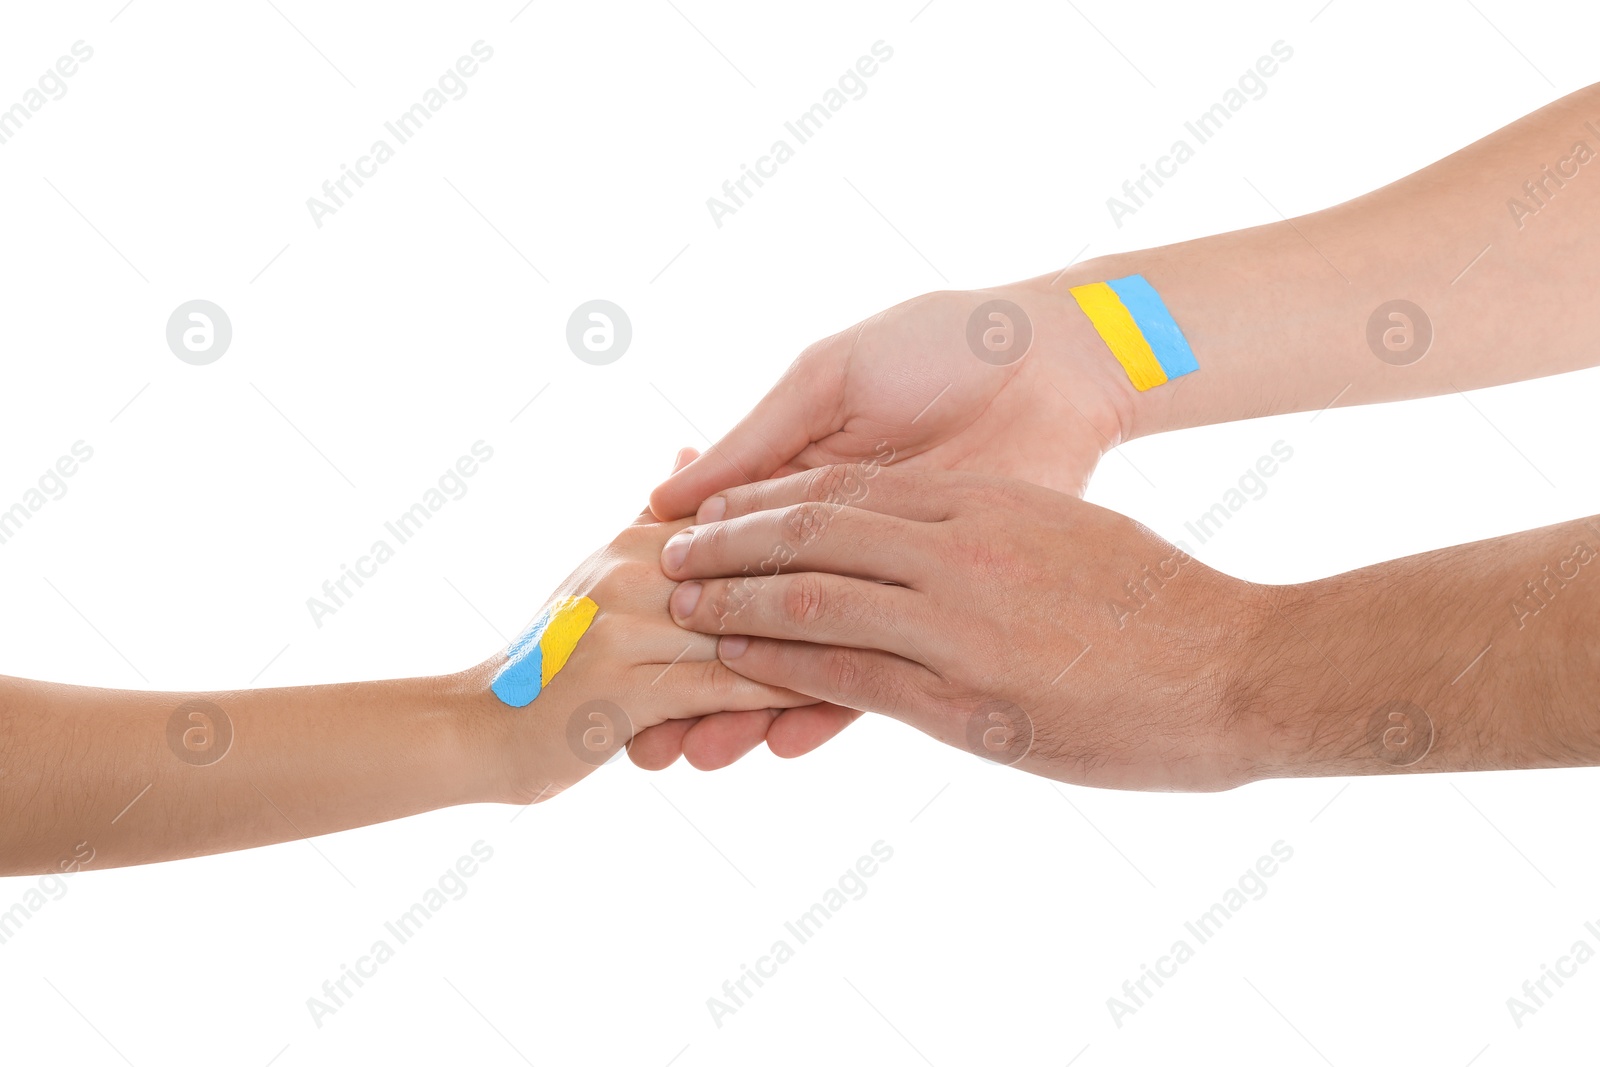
x,y
684,599
712,510
676,550
732,647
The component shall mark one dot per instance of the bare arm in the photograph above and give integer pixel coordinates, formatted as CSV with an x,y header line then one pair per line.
x,y
1495,245
1484,656
103,778
1033,628
135,777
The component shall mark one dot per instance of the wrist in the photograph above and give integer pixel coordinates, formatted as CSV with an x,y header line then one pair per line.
x,y
1135,412
486,754
1304,692
1249,699
1235,638
1079,366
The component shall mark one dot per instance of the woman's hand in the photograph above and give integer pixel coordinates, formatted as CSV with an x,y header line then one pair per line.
x,y
1010,381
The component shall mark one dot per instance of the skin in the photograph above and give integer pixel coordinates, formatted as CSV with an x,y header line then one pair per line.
x,y
89,777
1277,316
1033,628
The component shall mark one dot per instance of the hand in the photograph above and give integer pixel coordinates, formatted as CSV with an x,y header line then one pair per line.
x,y
631,670
906,385
907,382
1019,623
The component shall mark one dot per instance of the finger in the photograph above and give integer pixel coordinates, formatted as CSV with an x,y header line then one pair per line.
x,y
719,740
657,647
865,679
802,407
870,486
797,731
693,689
803,537
684,457
808,606
655,748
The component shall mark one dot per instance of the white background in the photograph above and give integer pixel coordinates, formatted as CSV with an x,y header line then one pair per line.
x,y
423,316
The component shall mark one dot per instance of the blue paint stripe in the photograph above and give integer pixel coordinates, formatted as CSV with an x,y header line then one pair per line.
x,y
518,682
1171,348
521,677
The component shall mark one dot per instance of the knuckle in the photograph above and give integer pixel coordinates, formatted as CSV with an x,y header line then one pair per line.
x,y
804,600
804,523
829,482
635,539
841,483
718,602
842,670
742,500
975,552
709,544
719,682
608,638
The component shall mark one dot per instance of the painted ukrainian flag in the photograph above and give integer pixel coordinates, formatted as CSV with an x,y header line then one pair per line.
x,y
542,650
1134,323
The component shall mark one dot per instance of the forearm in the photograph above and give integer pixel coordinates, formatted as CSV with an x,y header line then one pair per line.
x,y
1278,315
1485,656
135,777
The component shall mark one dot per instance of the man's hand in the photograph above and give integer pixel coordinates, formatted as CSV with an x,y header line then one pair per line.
x,y
1035,629
1019,623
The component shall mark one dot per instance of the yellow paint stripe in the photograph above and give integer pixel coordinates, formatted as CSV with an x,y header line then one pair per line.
x,y
1121,334
567,623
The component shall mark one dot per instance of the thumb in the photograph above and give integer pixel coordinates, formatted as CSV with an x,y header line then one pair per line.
x,y
684,458
804,406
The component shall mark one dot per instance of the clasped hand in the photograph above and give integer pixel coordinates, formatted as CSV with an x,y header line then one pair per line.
x,y
1014,621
